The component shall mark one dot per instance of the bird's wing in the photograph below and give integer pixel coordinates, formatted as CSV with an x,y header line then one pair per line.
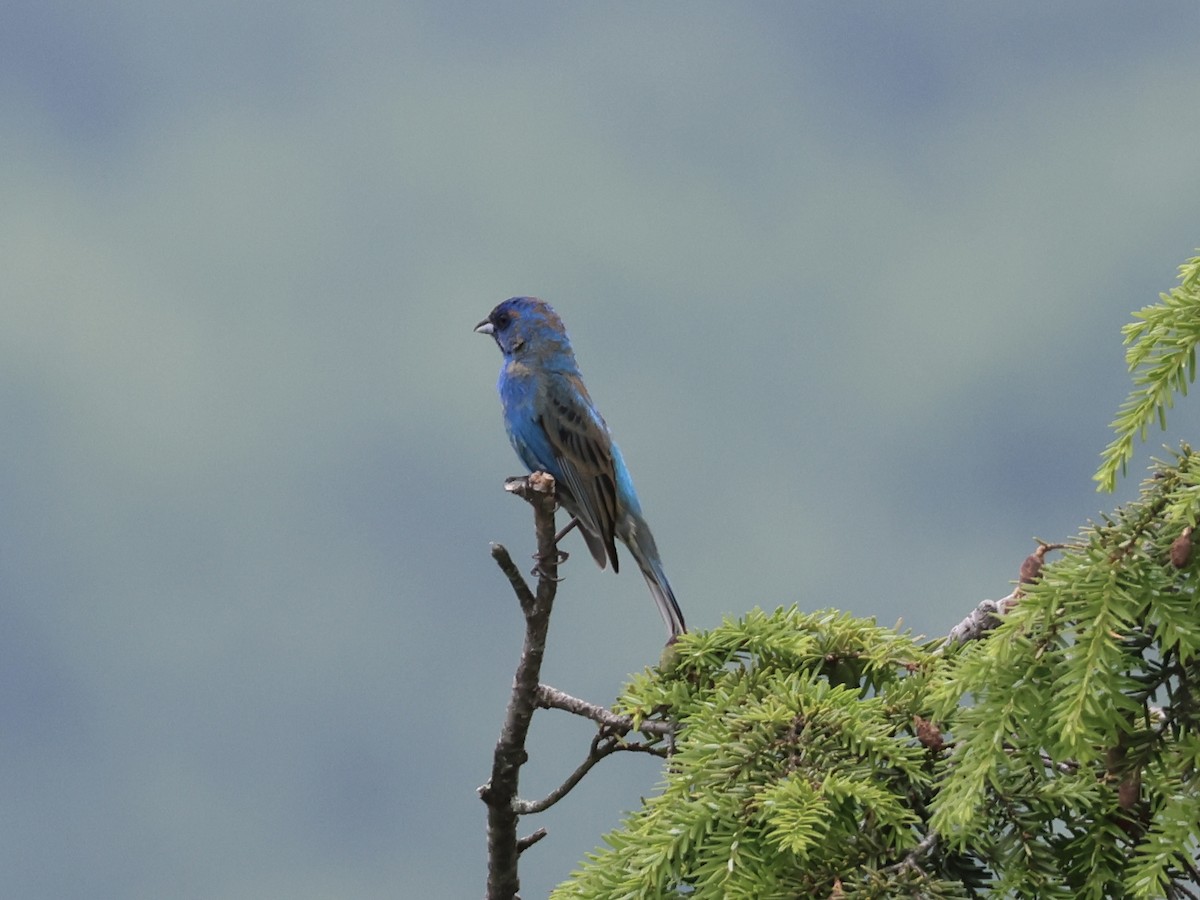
x,y
583,449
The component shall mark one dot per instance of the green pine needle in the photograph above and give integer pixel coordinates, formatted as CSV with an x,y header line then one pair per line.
x,y
1161,357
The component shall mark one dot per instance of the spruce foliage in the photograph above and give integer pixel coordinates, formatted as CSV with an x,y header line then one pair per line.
x,y
1074,772
1161,357
822,755
797,767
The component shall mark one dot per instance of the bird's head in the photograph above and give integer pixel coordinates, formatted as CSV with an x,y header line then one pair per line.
x,y
522,325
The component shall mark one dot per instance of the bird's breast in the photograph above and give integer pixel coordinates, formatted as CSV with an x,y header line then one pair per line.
x,y
518,384
516,369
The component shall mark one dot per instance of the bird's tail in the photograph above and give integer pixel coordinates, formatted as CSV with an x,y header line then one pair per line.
x,y
645,551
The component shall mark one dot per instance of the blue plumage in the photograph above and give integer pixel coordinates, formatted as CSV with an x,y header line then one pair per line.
x,y
554,427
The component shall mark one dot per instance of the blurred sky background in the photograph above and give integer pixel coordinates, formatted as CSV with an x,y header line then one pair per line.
x,y
847,282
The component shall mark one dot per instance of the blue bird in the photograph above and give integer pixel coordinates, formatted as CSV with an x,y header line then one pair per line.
x,y
554,427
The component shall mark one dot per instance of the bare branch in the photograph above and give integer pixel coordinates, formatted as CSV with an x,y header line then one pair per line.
x,y
500,792
986,616
552,698
982,619
530,839
509,568
603,745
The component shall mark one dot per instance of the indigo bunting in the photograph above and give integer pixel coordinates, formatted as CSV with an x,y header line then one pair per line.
x,y
554,427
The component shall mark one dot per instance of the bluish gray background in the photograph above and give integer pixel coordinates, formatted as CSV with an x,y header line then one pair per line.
x,y
846,281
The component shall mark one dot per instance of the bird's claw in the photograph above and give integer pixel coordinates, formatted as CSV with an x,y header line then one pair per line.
x,y
560,557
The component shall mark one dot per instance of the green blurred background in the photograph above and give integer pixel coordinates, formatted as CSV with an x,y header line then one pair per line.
x,y
847,282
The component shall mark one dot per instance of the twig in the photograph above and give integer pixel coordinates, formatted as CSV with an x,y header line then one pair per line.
x,y
500,792
1066,767
982,619
916,855
530,839
603,745
552,698
524,595
986,616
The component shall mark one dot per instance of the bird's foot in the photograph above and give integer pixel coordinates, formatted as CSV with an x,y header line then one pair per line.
x,y
560,557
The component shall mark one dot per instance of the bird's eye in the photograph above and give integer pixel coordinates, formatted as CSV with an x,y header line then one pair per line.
x,y
501,321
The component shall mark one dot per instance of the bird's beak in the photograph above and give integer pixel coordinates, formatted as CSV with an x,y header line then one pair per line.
x,y
485,327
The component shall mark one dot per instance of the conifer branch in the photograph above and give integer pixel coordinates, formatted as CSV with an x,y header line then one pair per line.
x,y
1161,357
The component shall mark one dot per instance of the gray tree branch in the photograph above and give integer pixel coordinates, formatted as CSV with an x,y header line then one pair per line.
x,y
553,698
500,792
